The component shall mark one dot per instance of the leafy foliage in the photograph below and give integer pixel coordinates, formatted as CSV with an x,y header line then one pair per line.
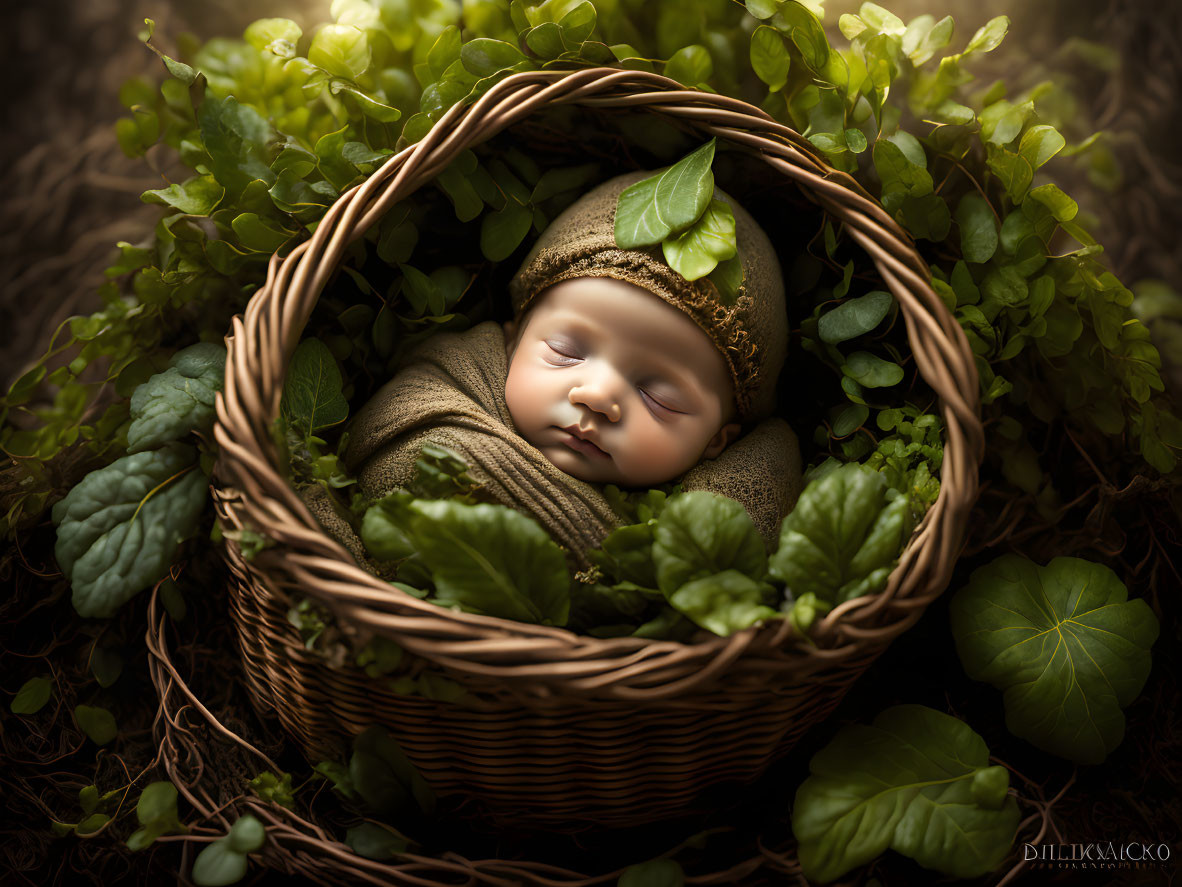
x,y
916,781
119,529
1064,643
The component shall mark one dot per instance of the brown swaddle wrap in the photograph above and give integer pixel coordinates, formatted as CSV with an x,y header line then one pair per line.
x,y
452,393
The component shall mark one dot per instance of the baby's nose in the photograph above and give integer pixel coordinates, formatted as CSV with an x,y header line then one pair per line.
x,y
598,397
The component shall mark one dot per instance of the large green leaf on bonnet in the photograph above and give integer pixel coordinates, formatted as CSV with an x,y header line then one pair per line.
x,y
179,400
118,530
710,240
916,781
1064,643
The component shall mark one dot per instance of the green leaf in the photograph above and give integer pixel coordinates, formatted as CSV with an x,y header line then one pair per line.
x,y
854,317
1040,143
725,602
342,50
700,534
545,41
922,42
989,35
31,697
179,400
578,22
278,36
690,65
872,371
256,234
805,31
106,665
312,396
1065,645
1061,206
558,181
843,537
385,778
656,872
444,51
501,232
487,558
246,835
727,277
769,57
374,841
695,252
637,222
97,723
848,418
484,56
92,824
218,864
119,528
978,228
916,781
196,196
1012,170
1016,228
927,217
685,190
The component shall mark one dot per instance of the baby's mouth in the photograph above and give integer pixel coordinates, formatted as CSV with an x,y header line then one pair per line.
x,y
579,445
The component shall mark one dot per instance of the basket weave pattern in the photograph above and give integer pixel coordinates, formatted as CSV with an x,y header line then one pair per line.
x,y
564,727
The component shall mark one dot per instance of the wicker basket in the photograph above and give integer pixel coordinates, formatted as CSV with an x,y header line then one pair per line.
x,y
565,729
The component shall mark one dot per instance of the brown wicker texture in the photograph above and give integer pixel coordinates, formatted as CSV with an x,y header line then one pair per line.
x,y
564,728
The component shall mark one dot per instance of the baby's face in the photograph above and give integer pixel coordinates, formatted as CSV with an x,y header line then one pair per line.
x,y
613,385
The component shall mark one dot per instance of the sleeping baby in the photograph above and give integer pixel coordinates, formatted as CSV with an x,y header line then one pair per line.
x,y
614,370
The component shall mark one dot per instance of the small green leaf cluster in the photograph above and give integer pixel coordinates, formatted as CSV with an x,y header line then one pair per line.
x,y
94,812
224,861
677,209
916,781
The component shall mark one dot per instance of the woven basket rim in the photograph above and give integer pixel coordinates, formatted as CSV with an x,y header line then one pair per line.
x,y
249,489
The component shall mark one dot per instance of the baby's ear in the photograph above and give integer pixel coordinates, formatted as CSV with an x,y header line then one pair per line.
x,y
510,327
726,435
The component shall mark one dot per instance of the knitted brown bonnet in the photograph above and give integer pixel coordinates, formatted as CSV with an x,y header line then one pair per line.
x,y
751,335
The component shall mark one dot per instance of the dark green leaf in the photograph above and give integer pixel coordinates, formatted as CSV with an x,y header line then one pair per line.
x,y
312,397
179,400
690,66
871,371
385,778
484,56
218,864
1039,144
97,723
106,666
444,51
978,228
854,317
31,697
1061,206
374,841
246,835
1064,643
917,781
501,232
843,537
700,534
119,529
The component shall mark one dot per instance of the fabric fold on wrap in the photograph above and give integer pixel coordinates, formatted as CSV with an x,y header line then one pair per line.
x,y
451,392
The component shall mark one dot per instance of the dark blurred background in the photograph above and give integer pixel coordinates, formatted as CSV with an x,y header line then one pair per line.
x,y
69,194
